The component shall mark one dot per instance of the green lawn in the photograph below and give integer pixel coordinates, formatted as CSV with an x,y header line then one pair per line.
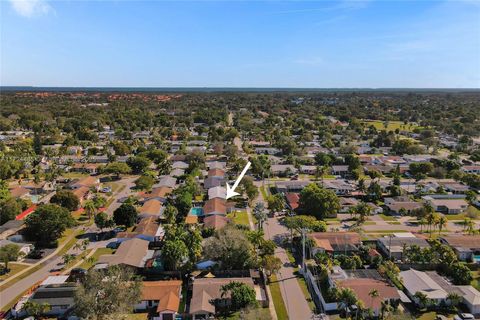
x,y
306,293
239,217
387,218
277,299
100,251
14,269
254,314
263,192
75,175
476,279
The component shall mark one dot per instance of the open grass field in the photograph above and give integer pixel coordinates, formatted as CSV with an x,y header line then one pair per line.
x,y
14,269
277,299
391,125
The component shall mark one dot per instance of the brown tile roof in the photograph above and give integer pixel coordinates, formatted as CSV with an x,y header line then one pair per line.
x,y
216,173
147,226
293,199
88,181
160,192
207,289
331,240
215,205
81,192
152,206
166,292
19,192
362,287
215,221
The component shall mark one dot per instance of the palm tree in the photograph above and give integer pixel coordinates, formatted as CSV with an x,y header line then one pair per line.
x,y
260,214
373,294
90,208
442,223
36,309
454,299
347,297
421,223
422,298
470,226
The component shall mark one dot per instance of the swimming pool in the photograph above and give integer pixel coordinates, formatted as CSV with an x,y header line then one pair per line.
x,y
476,258
196,211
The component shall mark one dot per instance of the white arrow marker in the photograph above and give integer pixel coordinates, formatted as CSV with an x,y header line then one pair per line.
x,y
231,191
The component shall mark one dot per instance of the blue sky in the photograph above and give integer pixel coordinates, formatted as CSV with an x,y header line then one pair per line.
x,y
341,44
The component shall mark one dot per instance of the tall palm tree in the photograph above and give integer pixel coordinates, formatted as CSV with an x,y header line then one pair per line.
x,y
442,223
454,299
90,208
421,223
422,298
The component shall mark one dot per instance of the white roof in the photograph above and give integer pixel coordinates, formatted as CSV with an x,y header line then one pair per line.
x,y
404,235
217,192
54,280
418,281
470,294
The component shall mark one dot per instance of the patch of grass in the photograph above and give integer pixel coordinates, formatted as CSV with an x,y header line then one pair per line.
x,y
306,293
252,314
452,217
14,269
263,192
239,217
391,125
100,251
476,279
137,316
394,222
75,175
277,299
386,218
22,276
77,259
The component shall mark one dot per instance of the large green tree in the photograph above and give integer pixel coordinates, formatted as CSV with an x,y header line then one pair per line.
x,y
66,199
109,294
47,224
125,215
318,201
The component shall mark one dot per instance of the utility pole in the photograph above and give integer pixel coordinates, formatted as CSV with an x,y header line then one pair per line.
x,y
303,251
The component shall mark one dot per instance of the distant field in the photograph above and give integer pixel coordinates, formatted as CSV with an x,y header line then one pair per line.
x,y
391,125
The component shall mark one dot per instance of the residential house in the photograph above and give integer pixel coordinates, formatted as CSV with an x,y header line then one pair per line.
x,y
216,173
283,169
212,182
393,246
397,207
207,294
152,207
215,206
291,186
215,221
90,168
308,169
448,206
335,243
340,170
131,253
267,150
160,194
217,192
60,298
362,288
147,229
340,187
466,247
167,181
292,200
25,248
475,169
417,281
162,298
180,165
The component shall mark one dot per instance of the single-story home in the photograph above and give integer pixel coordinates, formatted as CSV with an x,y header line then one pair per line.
x,y
162,298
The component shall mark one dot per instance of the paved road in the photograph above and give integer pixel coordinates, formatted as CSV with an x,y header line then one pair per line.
x,y
293,297
129,183
295,302
7,295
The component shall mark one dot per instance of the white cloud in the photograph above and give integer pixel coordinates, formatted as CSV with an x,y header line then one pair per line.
x,y
31,8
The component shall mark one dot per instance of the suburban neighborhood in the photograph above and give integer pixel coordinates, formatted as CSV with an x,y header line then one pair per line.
x,y
116,205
